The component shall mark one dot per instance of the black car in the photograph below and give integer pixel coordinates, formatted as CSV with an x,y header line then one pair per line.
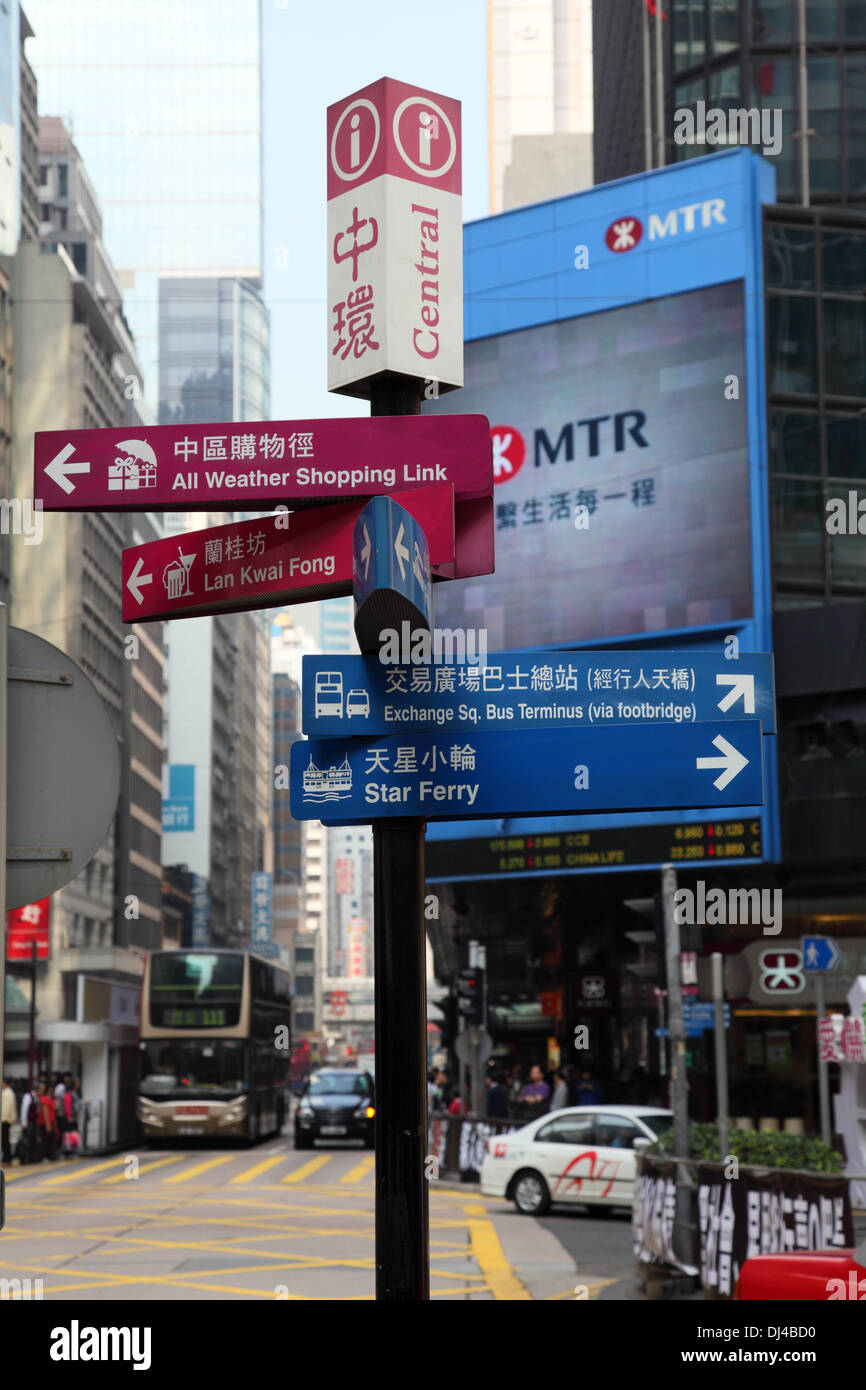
x,y
336,1103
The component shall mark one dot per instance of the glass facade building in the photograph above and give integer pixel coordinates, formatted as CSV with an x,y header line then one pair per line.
x,y
166,111
214,354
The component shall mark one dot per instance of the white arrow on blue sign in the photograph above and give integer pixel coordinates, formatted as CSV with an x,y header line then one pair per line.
x,y
540,689
390,572
459,774
820,953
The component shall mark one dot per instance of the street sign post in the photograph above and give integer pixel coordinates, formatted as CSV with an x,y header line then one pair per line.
x,y
395,238
293,557
546,689
551,771
254,465
391,571
820,954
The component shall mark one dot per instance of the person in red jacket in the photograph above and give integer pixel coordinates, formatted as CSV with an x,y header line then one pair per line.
x,y
47,1121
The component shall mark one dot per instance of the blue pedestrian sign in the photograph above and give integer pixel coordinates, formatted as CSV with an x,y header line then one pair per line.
x,y
390,572
820,953
540,689
703,1015
458,774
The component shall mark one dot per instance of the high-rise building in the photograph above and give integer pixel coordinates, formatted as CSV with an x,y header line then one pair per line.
x,y
214,356
168,118
736,56
539,75
75,358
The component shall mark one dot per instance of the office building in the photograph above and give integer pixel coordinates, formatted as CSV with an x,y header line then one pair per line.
x,y
539,74
192,88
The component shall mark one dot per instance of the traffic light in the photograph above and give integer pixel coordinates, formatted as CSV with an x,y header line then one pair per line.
x,y
470,995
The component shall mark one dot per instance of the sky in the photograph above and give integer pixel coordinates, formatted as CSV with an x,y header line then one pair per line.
x,y
313,55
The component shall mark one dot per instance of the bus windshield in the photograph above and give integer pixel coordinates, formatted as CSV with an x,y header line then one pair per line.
x,y
192,1067
184,976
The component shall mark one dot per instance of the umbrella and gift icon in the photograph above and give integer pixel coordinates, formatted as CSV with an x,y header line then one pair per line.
x,y
136,470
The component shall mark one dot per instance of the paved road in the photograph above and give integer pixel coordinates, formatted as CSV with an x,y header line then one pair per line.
x,y
262,1223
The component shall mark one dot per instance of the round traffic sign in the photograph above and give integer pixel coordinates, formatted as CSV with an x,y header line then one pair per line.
x,y
63,769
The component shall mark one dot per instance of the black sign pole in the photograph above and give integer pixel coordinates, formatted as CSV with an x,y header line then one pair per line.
x,y
402,1216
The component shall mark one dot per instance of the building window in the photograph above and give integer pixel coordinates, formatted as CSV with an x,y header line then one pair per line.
x,y
43,175
771,21
63,180
792,336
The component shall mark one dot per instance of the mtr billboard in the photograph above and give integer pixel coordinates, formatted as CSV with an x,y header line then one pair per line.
x,y
615,341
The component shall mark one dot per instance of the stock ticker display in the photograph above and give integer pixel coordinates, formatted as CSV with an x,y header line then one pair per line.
x,y
580,850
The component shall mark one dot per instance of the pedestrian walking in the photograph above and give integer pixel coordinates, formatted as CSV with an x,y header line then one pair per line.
x,y
28,1143
496,1098
589,1089
47,1122
535,1094
559,1099
8,1117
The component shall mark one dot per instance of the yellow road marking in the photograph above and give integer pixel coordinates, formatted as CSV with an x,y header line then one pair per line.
x,y
199,1168
311,1166
143,1169
80,1173
262,1167
488,1252
360,1170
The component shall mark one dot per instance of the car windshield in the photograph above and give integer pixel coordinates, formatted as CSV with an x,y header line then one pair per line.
x,y
333,1084
657,1123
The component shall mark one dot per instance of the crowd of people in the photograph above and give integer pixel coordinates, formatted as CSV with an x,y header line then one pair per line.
x,y
513,1095
48,1114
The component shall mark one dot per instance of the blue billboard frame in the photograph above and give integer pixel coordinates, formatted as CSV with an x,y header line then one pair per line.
x,y
700,225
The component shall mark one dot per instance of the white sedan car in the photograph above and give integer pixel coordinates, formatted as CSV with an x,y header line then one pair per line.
x,y
584,1155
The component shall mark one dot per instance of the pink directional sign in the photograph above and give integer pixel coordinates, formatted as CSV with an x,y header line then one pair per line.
x,y
254,465
293,557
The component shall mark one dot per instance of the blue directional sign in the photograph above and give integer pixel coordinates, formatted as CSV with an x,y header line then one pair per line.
x,y
543,689
703,1015
458,774
820,953
390,572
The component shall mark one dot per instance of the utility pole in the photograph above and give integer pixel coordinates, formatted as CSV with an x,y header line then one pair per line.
x,y
683,1237
399,943
721,1045
647,92
804,131
660,88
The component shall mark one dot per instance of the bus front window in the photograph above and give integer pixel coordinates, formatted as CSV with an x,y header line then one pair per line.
x,y
192,1066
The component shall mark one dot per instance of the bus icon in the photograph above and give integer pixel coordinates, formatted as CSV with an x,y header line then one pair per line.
x,y
357,702
329,694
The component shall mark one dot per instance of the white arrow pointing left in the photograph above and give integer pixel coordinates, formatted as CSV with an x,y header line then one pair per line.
x,y
732,762
136,581
401,551
365,552
740,686
58,469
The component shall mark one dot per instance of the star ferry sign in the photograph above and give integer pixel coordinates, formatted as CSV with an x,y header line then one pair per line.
x,y
395,240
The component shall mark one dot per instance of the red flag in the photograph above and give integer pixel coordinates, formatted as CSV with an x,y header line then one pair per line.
x,y
651,6
766,77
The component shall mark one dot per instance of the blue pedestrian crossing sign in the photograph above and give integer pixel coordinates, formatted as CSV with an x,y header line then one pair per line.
x,y
390,572
459,774
820,953
538,689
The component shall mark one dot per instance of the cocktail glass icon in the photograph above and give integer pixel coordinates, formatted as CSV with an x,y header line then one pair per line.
x,y
175,576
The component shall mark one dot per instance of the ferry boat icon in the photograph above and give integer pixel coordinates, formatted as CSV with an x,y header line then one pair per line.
x,y
328,784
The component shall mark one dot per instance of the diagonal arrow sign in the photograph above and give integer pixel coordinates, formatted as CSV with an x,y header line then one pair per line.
x,y
741,686
732,762
365,552
401,551
136,581
58,469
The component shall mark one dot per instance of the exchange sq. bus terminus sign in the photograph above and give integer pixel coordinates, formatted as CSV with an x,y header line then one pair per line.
x,y
395,238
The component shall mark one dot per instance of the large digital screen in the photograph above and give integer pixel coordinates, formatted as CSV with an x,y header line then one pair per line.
x,y
621,470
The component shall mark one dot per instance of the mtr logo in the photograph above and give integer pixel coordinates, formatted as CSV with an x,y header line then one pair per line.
x,y
624,233
597,434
